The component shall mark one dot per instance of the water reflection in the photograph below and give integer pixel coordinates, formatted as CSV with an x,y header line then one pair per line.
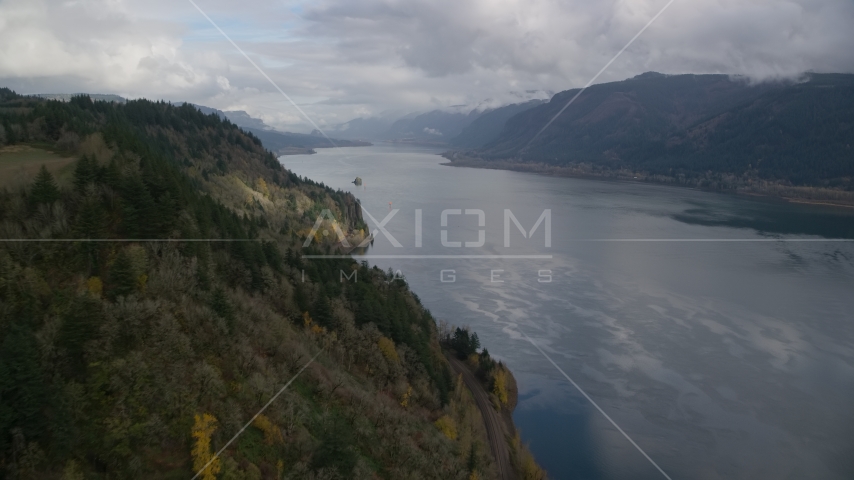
x,y
722,360
771,217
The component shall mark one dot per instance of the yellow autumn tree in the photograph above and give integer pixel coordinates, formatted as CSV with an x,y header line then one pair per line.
x,y
204,426
529,468
499,387
404,401
95,286
387,348
272,434
261,186
72,471
447,426
141,282
309,324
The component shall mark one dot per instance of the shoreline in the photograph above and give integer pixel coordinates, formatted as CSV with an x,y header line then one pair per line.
x,y
633,177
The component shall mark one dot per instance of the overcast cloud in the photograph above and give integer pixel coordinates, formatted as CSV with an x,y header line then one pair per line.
x,y
342,59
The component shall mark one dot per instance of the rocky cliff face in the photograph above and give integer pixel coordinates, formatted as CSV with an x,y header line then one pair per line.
x,y
352,211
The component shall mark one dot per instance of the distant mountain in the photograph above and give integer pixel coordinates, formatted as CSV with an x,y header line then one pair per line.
x,y
64,97
372,128
243,119
437,126
237,117
434,127
488,126
287,142
688,126
281,143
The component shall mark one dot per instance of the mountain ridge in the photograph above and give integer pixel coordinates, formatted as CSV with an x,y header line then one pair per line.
x,y
489,125
283,143
437,126
712,131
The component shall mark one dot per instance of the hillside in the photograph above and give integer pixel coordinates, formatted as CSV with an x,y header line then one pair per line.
x,y
140,354
489,125
706,130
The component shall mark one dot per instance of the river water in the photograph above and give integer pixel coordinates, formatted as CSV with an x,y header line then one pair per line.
x,y
717,331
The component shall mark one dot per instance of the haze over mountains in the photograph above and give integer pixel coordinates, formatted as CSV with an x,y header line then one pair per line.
x,y
798,133
463,125
488,127
475,124
439,126
281,143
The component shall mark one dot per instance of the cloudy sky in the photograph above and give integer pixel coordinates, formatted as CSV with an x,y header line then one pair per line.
x,y
341,59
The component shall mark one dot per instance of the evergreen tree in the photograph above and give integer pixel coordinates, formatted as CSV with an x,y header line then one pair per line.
x,y
90,220
167,213
300,297
464,343
472,462
85,172
11,138
273,256
112,174
364,314
322,311
122,281
90,223
222,307
78,326
202,276
44,188
22,391
139,219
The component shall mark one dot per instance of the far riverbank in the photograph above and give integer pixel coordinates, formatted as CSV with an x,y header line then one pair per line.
x,y
711,182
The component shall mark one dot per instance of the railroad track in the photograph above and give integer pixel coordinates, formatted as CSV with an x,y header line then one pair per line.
x,y
493,422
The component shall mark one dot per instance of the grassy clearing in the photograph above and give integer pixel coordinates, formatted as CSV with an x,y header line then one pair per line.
x,y
19,164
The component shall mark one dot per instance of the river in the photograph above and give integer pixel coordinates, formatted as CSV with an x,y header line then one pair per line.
x,y
716,331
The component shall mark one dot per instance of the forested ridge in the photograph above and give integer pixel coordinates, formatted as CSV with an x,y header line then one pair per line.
x,y
703,130
142,353
488,126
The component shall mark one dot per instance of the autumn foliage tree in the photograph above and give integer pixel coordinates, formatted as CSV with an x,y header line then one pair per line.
x,y
203,427
499,385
